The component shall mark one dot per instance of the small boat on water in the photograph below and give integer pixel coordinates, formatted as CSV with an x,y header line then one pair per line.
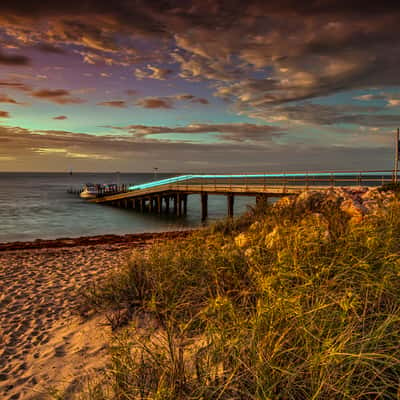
x,y
89,191
93,190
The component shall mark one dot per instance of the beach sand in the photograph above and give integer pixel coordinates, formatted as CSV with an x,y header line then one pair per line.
x,y
44,342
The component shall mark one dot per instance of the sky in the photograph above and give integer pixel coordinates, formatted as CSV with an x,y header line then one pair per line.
x,y
198,86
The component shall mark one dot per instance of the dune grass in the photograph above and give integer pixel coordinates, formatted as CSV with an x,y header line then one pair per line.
x,y
279,304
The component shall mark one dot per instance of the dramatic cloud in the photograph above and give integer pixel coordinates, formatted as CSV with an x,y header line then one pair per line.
x,y
313,114
155,102
191,98
6,99
13,59
168,102
39,148
153,72
316,70
113,103
391,99
48,48
15,86
59,96
4,114
240,132
60,117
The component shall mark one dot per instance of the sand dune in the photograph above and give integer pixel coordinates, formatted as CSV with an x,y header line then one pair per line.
x,y
44,342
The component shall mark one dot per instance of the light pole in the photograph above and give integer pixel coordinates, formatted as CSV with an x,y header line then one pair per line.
x,y
155,173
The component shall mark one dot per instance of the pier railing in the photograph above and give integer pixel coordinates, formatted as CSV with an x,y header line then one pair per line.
x,y
252,183
308,179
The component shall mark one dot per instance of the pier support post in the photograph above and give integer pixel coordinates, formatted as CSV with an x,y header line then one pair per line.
x,y
204,206
159,204
230,199
166,198
178,204
175,201
126,203
142,204
185,196
151,204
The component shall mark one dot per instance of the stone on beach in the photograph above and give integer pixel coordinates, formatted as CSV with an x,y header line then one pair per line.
x,y
355,202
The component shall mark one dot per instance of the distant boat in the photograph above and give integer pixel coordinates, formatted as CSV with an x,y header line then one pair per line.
x,y
92,190
89,191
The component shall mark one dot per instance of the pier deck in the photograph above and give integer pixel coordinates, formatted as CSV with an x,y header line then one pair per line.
x,y
171,194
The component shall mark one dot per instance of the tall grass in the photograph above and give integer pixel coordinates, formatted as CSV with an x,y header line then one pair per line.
x,y
280,304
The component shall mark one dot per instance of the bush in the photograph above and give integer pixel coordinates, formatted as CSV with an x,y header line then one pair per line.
x,y
282,305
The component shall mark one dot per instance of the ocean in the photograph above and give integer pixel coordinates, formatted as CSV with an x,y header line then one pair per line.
x,y
37,206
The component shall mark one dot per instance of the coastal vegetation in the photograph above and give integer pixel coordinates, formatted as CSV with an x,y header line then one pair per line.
x,y
296,300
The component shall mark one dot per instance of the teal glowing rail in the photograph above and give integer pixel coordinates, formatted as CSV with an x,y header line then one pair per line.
x,y
294,177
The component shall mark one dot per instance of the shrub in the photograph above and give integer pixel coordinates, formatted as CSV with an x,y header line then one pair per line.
x,y
287,305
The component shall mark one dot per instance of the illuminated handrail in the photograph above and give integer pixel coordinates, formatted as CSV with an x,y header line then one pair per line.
x,y
310,178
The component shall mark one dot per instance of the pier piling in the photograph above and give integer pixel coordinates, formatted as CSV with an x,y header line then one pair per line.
x,y
230,199
204,206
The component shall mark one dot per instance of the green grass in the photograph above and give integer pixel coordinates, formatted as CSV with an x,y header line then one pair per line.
x,y
280,304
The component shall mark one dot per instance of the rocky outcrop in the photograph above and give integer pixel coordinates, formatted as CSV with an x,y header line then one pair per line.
x,y
355,202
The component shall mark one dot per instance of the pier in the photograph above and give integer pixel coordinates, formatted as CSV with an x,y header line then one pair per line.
x,y
170,195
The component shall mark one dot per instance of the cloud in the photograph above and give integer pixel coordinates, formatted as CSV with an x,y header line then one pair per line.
x,y
59,96
113,103
167,102
4,114
15,86
48,48
6,99
41,150
13,59
45,151
191,98
60,117
391,99
237,132
153,72
200,100
256,55
308,113
155,102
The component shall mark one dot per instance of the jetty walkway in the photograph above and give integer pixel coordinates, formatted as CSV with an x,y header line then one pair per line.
x,y
170,195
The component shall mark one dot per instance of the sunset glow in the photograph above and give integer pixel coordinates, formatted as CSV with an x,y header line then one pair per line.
x,y
198,86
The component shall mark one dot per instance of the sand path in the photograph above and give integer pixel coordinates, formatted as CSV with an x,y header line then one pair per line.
x,y
43,342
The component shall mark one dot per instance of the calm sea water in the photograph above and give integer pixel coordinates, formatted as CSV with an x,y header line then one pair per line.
x,y
37,205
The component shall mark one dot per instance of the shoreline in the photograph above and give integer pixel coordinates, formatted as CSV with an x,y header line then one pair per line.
x,y
46,343
131,238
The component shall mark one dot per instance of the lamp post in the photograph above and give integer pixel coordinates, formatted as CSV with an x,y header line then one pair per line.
x,y
155,173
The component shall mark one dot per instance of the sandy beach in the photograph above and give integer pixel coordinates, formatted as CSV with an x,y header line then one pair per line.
x,y
44,342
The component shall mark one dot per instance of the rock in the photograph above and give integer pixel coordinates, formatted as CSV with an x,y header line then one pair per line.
x,y
371,206
310,200
354,209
